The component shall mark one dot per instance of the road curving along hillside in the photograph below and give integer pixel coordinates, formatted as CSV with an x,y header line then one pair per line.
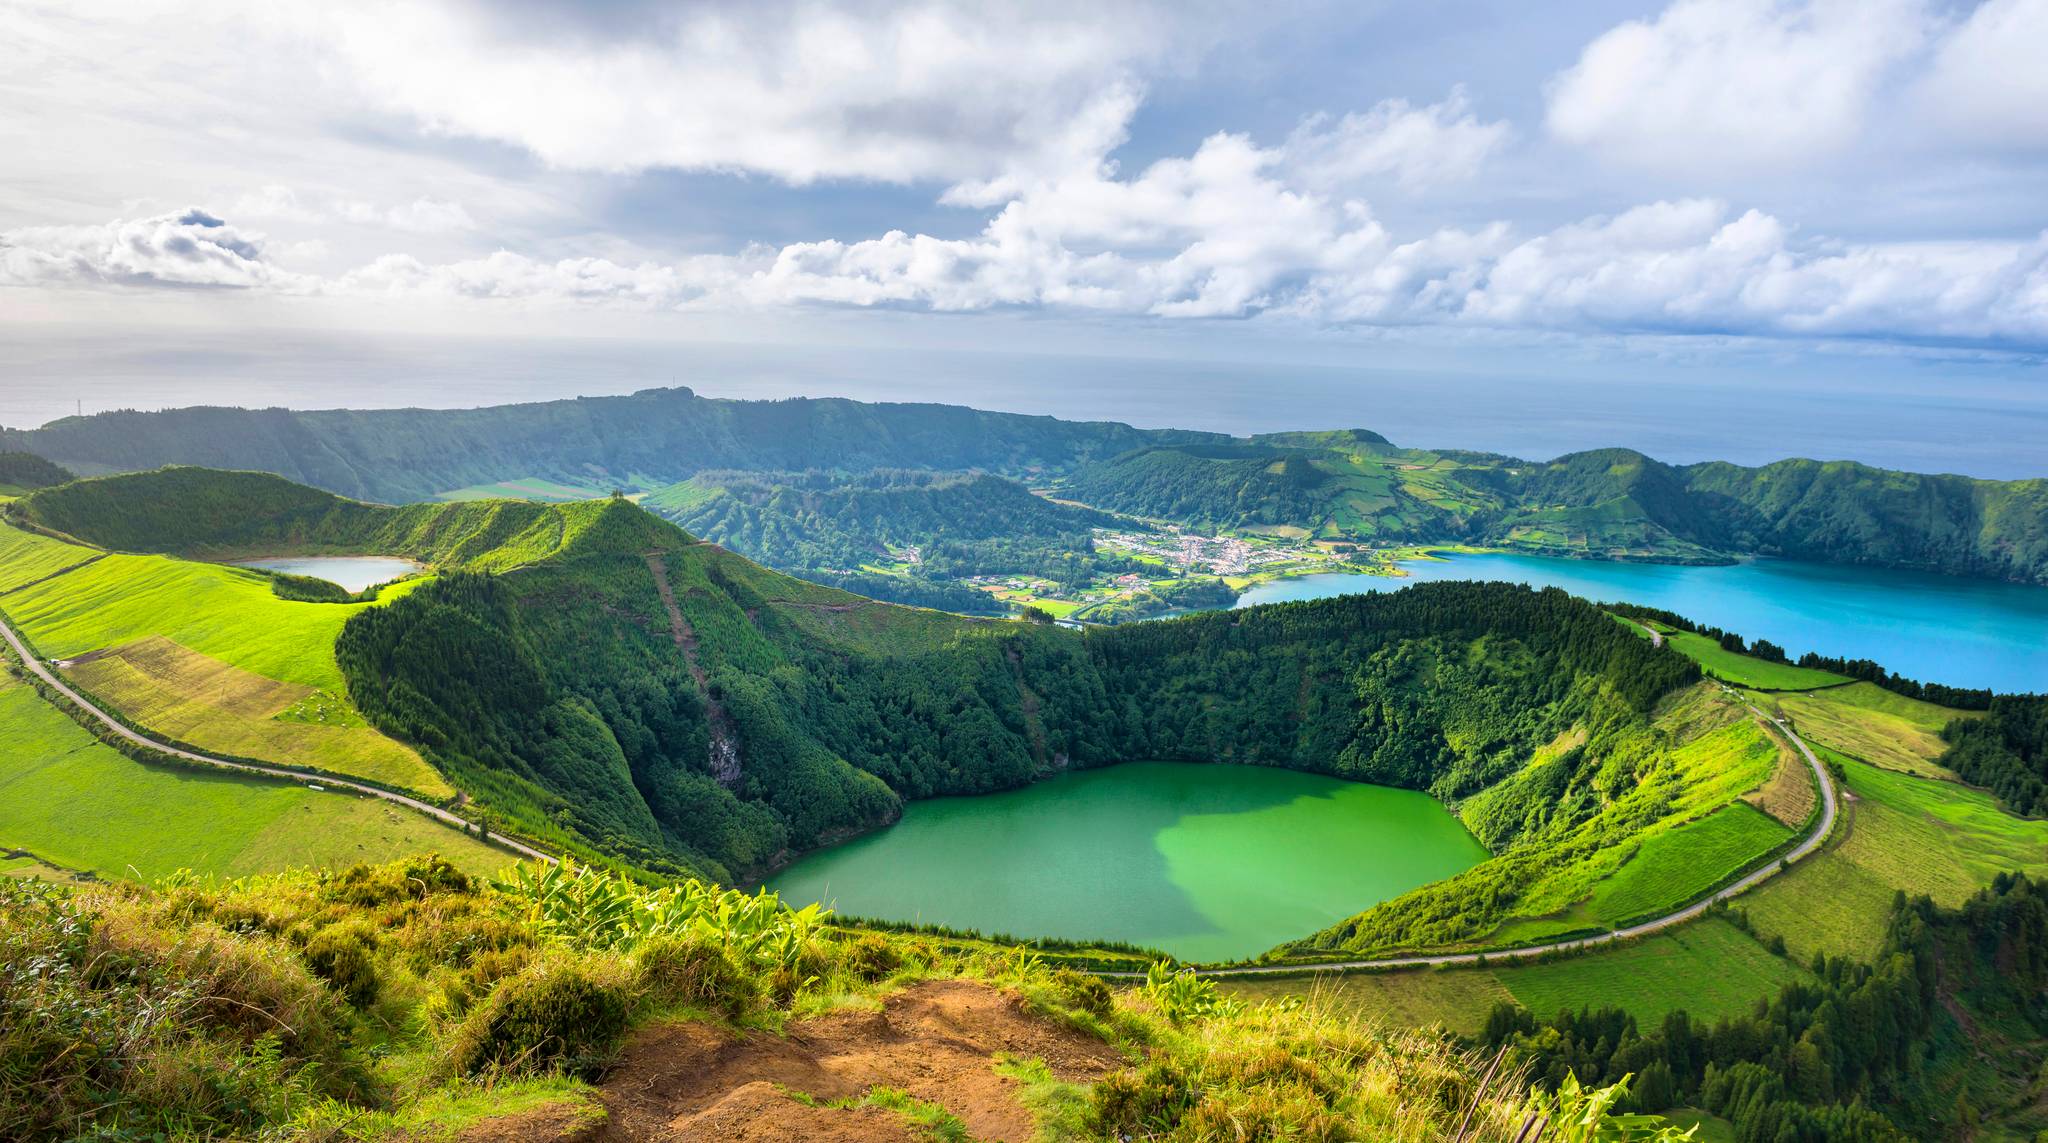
x,y
1806,847
325,781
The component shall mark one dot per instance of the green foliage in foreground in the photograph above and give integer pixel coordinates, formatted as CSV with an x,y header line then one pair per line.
x,y
1944,1029
407,1000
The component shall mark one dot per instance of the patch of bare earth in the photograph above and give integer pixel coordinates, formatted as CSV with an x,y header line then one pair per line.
x,y
936,1040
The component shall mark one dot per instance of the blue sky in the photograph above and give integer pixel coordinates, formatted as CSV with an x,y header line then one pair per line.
x,y
1594,189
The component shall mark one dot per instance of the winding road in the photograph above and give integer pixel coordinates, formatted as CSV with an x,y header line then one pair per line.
x,y
325,781
1812,842
1807,846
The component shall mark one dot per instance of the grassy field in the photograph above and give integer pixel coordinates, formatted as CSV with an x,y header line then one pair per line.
x,y
1866,721
1746,670
1710,968
226,613
1459,999
1900,832
206,703
26,557
208,655
1679,865
1706,1128
74,801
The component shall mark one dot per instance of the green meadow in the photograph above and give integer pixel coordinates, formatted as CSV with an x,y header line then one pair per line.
x,y
1747,670
1865,721
78,803
226,613
1683,864
26,557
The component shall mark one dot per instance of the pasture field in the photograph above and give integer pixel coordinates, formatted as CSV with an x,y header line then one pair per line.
x,y
206,703
1678,865
226,613
1901,833
1872,724
1457,998
1706,1128
1747,670
1710,968
26,557
75,801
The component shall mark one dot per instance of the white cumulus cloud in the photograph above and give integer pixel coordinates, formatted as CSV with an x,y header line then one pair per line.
x,y
1750,83
1989,79
186,248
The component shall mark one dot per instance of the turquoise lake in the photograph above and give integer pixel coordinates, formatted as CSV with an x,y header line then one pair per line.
x,y
1204,862
1944,629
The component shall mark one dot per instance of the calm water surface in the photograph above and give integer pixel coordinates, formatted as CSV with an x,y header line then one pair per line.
x,y
1936,628
354,573
1205,862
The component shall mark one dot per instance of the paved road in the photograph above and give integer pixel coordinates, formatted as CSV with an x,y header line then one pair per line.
x,y
324,780
1806,847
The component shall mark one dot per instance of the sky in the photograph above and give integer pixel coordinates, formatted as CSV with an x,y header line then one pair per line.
x,y
195,197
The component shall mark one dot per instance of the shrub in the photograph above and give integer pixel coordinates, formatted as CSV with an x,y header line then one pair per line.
x,y
342,955
687,971
871,957
556,1014
411,879
1082,992
1146,1102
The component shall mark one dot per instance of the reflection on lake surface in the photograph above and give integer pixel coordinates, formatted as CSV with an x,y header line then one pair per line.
x,y
353,573
1946,629
1205,862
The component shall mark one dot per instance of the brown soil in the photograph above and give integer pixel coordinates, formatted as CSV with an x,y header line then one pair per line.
x,y
936,1040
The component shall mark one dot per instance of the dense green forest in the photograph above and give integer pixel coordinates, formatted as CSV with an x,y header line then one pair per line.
x,y
1944,1026
21,471
643,441
2005,751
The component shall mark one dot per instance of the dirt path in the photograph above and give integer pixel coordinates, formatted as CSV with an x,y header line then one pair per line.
x,y
325,781
1812,842
937,1040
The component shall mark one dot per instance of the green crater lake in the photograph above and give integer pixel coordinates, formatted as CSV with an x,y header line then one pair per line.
x,y
1205,862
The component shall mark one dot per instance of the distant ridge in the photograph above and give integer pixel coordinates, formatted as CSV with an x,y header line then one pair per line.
x,y
653,437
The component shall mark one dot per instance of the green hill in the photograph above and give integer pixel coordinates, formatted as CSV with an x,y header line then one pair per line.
x,y
22,471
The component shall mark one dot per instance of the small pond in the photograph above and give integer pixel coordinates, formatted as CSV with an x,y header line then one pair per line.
x,y
353,573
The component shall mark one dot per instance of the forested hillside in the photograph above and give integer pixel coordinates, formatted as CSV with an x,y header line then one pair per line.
x,y
651,438
22,471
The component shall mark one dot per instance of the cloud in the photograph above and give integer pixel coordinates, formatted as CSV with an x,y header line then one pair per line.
x,y
800,90
1417,146
421,216
1988,81
1749,83
185,248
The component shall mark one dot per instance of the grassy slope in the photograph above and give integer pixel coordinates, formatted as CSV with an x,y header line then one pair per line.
x,y
1868,722
1902,833
1747,671
1682,864
26,557
74,801
241,634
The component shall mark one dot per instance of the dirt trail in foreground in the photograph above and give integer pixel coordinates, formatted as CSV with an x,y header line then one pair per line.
x,y
937,1040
